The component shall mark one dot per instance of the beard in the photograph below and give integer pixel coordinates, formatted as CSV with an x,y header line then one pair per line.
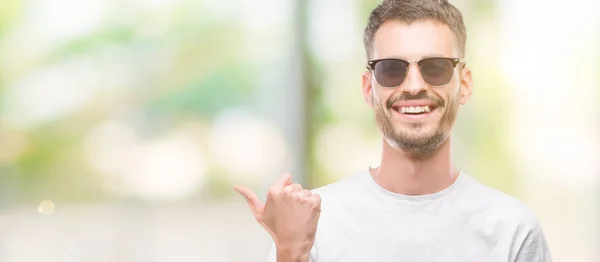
x,y
414,139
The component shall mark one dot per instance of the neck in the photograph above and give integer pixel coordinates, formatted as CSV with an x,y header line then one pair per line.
x,y
402,173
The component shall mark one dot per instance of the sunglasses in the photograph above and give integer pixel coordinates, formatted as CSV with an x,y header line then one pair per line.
x,y
391,72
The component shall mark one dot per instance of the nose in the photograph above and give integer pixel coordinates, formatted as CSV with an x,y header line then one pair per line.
x,y
414,83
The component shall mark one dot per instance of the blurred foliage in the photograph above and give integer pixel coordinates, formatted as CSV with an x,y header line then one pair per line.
x,y
206,76
207,71
9,12
211,93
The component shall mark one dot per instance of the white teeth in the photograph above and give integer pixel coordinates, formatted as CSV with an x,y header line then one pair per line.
x,y
415,109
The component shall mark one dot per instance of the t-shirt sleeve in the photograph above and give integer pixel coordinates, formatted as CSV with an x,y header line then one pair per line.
x,y
272,254
534,248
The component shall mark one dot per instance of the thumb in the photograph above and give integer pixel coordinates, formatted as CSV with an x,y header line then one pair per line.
x,y
253,202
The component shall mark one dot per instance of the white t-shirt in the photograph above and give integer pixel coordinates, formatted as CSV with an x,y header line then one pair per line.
x,y
467,222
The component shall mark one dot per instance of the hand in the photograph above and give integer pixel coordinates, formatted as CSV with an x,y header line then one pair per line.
x,y
290,214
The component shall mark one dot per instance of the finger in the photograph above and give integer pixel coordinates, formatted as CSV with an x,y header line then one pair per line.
x,y
316,198
282,181
316,201
296,196
253,201
305,193
296,187
288,190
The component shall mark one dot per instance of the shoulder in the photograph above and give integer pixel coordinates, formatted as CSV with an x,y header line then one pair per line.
x,y
513,221
499,206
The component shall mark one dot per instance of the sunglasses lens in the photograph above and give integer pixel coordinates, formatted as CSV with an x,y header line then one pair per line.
x,y
436,71
390,73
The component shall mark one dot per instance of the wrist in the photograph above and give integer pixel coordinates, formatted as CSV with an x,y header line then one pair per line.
x,y
296,251
292,254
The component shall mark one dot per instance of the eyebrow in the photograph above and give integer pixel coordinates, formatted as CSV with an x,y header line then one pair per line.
x,y
422,57
435,55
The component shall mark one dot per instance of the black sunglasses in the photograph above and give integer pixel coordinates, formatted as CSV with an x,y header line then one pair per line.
x,y
391,72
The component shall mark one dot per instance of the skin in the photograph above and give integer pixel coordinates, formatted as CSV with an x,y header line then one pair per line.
x,y
416,157
290,215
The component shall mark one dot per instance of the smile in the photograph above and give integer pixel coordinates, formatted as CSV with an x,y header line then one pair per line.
x,y
414,111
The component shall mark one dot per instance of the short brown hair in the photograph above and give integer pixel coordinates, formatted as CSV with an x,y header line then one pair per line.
x,y
408,11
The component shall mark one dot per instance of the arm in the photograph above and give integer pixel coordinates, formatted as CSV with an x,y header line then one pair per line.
x,y
534,248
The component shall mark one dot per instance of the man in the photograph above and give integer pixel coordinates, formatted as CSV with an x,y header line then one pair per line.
x,y
416,206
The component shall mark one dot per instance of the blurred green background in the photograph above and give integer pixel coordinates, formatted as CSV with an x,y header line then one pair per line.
x,y
124,124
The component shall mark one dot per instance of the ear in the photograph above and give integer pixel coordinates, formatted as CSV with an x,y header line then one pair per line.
x,y
367,87
466,85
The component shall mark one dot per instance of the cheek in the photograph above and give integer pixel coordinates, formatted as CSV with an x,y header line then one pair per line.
x,y
451,95
380,96
452,104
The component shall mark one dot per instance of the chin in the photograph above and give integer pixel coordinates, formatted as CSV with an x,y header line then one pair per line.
x,y
419,143
421,130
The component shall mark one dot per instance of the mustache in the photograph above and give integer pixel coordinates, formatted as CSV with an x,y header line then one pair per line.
x,y
420,96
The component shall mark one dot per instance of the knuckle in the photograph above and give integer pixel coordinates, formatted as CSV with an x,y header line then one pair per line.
x,y
314,204
295,197
316,201
273,193
304,200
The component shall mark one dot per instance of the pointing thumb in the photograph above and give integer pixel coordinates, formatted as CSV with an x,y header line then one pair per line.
x,y
253,202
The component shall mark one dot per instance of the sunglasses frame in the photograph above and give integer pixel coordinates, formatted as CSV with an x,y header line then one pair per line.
x,y
371,67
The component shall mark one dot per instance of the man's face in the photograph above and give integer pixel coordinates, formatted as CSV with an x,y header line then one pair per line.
x,y
414,116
